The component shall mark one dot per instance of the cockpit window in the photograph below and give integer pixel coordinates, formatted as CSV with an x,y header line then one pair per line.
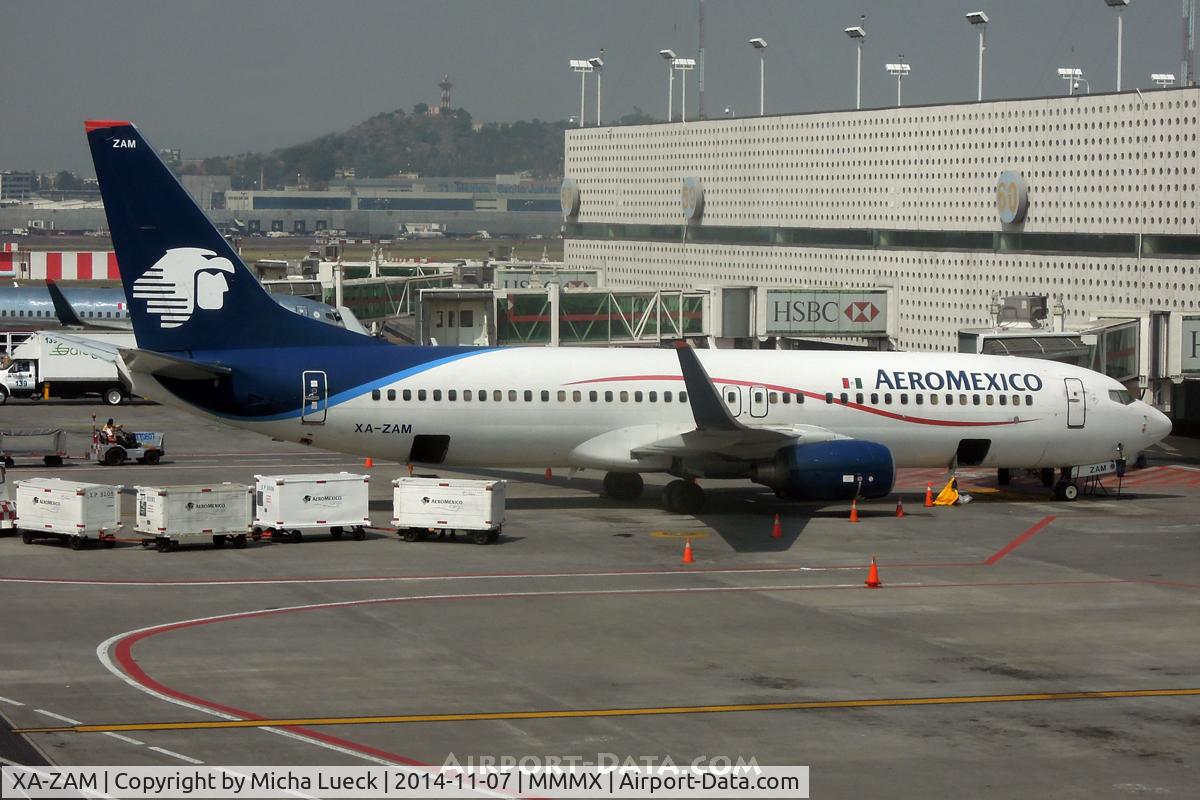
x,y
1121,396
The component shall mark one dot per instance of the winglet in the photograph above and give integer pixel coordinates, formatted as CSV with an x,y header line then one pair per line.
x,y
710,413
62,307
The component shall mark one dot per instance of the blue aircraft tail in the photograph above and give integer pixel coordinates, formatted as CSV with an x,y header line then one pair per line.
x,y
186,287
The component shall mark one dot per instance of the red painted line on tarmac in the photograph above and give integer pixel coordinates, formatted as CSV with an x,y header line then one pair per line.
x,y
1020,540
124,656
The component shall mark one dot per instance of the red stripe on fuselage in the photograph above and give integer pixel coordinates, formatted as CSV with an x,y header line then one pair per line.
x,y
791,390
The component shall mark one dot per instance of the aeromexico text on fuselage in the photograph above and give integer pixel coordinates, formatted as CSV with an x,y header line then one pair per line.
x,y
951,380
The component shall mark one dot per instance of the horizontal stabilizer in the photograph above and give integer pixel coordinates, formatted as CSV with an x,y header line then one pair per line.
x,y
161,365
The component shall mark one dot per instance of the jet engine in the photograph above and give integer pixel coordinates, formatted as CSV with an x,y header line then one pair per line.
x,y
841,469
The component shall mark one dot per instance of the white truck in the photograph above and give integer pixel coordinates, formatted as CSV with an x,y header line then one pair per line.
x,y
287,505
170,515
445,505
45,365
70,511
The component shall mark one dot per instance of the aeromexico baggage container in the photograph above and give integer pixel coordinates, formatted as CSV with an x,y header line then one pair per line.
x,y
216,512
286,506
70,511
447,505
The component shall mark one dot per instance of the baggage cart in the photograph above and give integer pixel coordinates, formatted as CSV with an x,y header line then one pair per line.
x,y
287,506
168,516
70,511
48,444
446,505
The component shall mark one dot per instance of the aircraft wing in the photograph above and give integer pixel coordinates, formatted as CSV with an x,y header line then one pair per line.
x,y
748,443
717,432
102,350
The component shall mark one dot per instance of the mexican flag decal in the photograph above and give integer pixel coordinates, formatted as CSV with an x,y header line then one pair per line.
x,y
851,383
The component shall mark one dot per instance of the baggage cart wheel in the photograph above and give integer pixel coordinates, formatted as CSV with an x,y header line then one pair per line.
x,y
336,532
146,543
52,461
26,537
295,537
77,542
173,545
360,533
163,545
494,537
8,462
256,534
411,535
480,537
239,541
110,543
218,540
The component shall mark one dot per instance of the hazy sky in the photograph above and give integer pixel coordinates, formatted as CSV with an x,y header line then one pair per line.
x,y
218,77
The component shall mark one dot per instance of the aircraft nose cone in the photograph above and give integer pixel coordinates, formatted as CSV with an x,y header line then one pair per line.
x,y
1159,425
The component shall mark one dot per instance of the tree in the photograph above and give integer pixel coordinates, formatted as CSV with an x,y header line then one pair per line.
x,y
66,181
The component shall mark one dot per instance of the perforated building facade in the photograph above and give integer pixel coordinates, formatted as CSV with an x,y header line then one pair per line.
x,y
907,198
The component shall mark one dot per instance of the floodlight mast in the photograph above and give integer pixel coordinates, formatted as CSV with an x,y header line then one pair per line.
x,y
980,20
598,67
899,70
1120,6
669,57
583,67
1073,75
859,34
684,65
760,44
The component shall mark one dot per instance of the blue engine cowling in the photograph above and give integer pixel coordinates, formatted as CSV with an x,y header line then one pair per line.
x,y
837,470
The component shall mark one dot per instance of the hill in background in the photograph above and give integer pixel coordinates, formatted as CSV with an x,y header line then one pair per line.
x,y
449,144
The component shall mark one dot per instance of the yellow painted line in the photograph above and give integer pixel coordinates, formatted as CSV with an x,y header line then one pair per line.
x,y
680,534
806,705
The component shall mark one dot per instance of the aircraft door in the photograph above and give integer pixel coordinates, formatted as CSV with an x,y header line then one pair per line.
x,y
315,388
1076,403
758,401
733,399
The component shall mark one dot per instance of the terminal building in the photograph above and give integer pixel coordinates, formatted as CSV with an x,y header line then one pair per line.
x,y
1070,220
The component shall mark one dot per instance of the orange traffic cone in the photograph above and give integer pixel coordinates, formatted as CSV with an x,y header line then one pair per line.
x,y
873,581
899,506
549,473
688,557
929,495
776,530
368,463
854,510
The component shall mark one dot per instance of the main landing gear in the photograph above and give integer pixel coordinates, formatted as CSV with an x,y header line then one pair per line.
x,y
683,497
623,485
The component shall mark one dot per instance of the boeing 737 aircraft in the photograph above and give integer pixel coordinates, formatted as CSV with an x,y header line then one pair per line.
x,y
810,425
24,308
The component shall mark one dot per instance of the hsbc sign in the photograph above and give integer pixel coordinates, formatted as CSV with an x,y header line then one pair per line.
x,y
823,312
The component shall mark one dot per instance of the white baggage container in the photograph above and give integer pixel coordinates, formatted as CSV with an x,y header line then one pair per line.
x,y
285,505
420,505
167,515
70,511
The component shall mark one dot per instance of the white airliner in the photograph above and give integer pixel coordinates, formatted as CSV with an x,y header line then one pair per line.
x,y
810,425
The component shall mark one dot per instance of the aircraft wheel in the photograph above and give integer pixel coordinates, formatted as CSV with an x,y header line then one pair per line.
x,y
689,498
667,498
623,485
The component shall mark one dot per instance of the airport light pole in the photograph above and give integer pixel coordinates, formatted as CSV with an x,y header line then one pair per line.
x,y
1073,75
1163,79
684,65
979,20
859,34
1120,6
583,67
899,70
760,44
598,67
669,56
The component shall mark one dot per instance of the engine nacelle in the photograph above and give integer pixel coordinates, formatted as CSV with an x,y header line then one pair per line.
x,y
837,470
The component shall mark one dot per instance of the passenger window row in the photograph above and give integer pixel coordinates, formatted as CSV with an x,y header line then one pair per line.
x,y
932,399
527,395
